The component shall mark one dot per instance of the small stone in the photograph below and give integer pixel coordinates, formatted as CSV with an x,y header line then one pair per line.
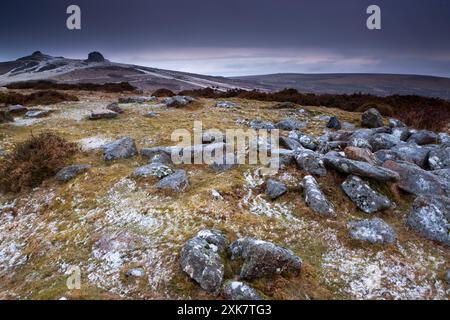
x,y
216,194
439,158
37,113
262,125
315,199
275,189
423,137
177,181
291,124
360,154
367,199
178,101
263,259
70,172
375,231
237,290
102,114
153,169
334,123
226,104
138,99
120,149
17,109
115,108
136,273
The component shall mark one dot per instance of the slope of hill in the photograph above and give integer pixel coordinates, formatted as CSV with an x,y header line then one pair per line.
x,y
96,69
377,84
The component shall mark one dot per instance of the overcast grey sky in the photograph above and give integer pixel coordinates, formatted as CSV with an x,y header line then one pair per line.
x,y
231,37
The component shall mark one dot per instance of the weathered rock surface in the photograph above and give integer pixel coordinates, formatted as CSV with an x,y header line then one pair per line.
x,y
290,143
138,99
275,189
359,168
201,260
177,181
315,199
291,124
17,109
158,170
359,143
262,258
102,114
70,172
401,133
430,217
178,101
367,199
311,162
120,149
226,104
415,180
372,119
360,154
237,290
411,153
115,108
375,231
262,125
381,141
439,158
334,123
423,137
395,123
307,141
37,113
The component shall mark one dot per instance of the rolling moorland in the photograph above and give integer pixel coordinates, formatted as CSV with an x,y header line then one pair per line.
x,y
358,210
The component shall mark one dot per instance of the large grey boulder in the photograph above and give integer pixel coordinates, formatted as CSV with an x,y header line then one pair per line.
x,y
17,109
381,141
157,170
70,172
275,189
201,260
37,113
226,104
114,107
384,155
444,175
120,149
372,119
263,259
411,153
423,137
415,180
102,114
360,168
137,99
367,199
290,143
177,181
307,141
262,125
439,158
430,217
375,231
237,290
178,101
311,162
315,199
291,124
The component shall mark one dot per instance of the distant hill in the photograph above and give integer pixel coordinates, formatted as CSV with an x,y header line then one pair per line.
x,y
96,69
377,84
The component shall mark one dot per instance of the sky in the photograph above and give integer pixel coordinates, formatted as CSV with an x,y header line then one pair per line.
x,y
238,37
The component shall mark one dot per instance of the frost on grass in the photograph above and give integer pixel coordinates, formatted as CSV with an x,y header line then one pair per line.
x,y
363,274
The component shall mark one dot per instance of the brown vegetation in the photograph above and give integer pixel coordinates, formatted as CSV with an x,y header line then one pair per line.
x,y
5,117
51,85
36,98
34,160
163,93
416,111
